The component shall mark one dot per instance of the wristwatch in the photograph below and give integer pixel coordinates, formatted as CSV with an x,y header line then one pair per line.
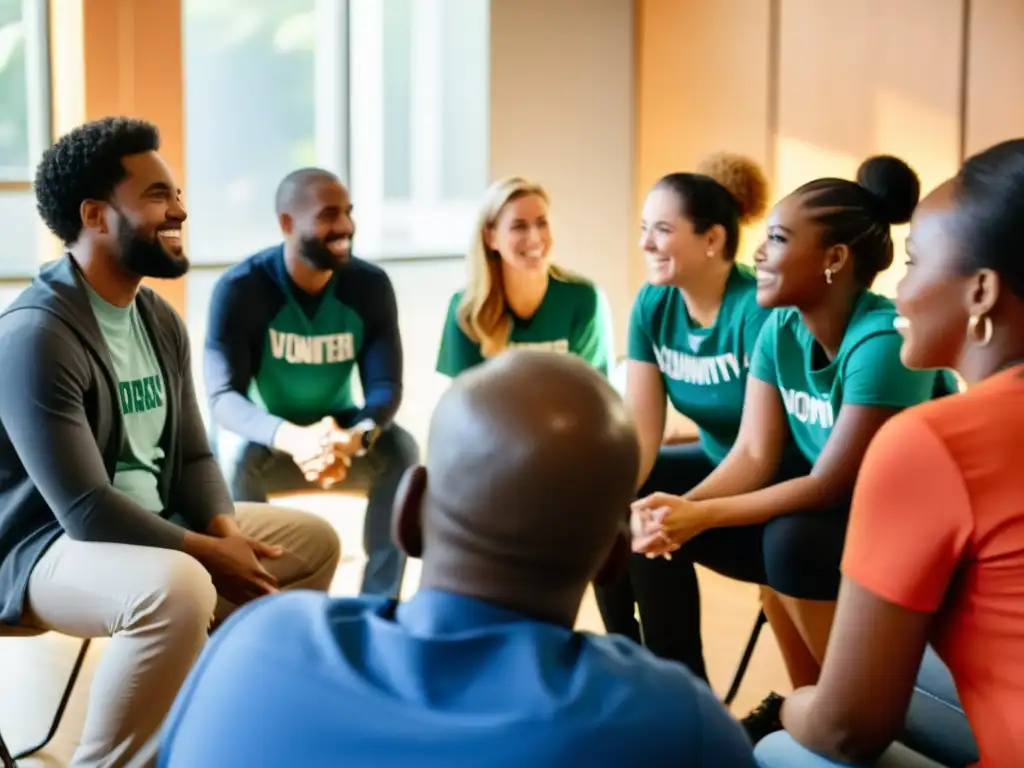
x,y
369,432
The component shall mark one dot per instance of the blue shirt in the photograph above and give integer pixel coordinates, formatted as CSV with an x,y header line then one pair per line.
x,y
448,681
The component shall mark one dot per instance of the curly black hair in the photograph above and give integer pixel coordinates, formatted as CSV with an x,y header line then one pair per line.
x,y
85,164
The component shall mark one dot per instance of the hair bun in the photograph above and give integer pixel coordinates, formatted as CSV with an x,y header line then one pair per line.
x,y
894,184
744,180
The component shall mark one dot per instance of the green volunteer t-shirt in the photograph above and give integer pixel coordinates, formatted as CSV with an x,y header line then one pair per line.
x,y
309,357
704,369
866,370
140,385
573,318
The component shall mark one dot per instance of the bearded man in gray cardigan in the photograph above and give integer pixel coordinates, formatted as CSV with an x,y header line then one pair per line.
x,y
115,520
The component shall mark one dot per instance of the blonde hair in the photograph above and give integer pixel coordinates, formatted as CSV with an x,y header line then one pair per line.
x,y
483,312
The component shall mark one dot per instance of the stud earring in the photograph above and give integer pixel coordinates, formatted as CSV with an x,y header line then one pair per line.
x,y
828,276
711,253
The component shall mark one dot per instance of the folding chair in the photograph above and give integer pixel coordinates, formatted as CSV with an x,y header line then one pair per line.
x,y
7,760
741,670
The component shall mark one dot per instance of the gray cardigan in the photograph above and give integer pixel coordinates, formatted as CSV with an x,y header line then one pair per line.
x,y
61,433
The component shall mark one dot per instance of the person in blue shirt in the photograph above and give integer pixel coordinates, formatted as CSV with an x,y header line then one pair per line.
x,y
288,328
519,507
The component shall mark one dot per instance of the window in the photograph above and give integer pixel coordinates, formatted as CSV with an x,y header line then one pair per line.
x,y
250,117
419,130
24,132
389,94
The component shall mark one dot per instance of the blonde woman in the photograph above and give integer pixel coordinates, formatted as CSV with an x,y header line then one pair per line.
x,y
515,296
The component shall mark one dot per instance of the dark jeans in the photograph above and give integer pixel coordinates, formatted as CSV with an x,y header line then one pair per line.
x,y
253,470
797,555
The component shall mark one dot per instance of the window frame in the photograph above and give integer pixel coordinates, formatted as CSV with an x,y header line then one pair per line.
x,y
349,72
35,16
427,213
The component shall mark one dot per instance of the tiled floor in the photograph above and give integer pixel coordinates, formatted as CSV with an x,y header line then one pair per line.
x,y
34,670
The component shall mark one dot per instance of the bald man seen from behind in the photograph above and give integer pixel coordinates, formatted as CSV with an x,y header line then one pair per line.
x,y
531,466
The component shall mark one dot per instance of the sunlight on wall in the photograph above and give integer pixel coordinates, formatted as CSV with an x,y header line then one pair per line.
x,y
927,139
752,235
798,161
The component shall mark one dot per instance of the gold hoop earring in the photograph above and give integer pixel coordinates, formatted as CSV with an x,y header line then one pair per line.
x,y
986,329
828,276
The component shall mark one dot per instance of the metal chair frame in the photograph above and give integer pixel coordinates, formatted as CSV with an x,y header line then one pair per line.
x,y
7,760
741,670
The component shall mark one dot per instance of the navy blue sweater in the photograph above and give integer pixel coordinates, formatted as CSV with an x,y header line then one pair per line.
x,y
275,354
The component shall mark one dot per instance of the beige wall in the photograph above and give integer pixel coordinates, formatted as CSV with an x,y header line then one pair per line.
x,y
812,88
899,66
422,290
702,85
562,106
995,73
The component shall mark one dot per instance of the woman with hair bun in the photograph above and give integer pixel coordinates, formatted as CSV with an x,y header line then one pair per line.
x,y
691,334
935,550
825,376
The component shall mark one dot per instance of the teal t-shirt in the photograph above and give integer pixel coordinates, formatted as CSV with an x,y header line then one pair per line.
x,y
140,385
704,369
572,318
309,356
866,370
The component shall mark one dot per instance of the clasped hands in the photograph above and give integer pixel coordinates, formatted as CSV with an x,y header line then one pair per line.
x,y
323,451
661,523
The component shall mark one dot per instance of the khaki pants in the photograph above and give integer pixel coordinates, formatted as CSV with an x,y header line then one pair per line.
x,y
157,606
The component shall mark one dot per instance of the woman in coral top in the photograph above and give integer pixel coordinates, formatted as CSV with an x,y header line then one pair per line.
x,y
935,547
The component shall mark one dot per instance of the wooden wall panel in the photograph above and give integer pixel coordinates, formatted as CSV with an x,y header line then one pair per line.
x,y
561,102
865,77
703,85
995,73
868,77
808,88
122,57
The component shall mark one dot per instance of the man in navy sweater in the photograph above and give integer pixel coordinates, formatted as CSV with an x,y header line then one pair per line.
x,y
288,328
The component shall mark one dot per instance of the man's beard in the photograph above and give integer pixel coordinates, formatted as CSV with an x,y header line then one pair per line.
x,y
147,257
316,253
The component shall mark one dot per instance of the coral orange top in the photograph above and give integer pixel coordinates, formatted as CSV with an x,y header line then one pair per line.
x,y
937,525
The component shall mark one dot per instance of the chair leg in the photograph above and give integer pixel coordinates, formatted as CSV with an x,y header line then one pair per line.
x,y
741,670
5,756
59,714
